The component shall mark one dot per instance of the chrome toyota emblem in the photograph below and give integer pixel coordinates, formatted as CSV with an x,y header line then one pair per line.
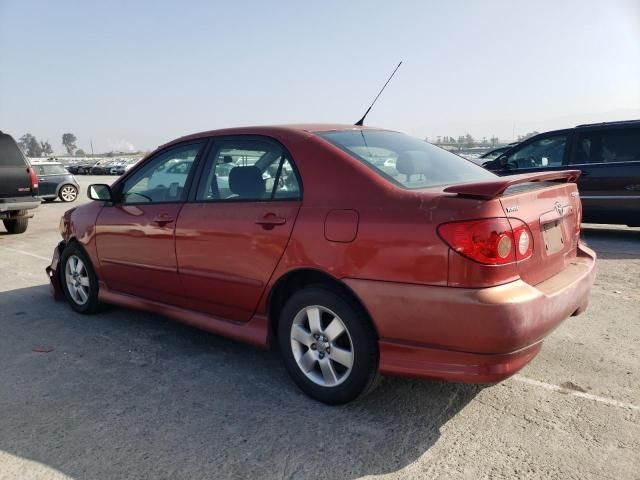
x,y
559,208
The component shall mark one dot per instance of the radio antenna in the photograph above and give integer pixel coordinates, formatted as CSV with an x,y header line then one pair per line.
x,y
361,121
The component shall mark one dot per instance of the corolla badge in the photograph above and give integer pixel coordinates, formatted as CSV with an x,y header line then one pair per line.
x,y
559,208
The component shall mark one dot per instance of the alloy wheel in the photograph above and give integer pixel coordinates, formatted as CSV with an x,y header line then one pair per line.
x,y
68,193
77,280
322,346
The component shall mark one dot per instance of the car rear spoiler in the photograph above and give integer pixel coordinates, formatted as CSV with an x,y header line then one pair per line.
x,y
494,188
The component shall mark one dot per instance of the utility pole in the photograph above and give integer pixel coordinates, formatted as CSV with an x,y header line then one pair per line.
x,y
91,142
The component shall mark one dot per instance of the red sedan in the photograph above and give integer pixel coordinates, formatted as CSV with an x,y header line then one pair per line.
x,y
358,251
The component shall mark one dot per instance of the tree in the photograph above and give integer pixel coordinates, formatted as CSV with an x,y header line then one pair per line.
x,y
30,145
494,141
468,141
69,142
80,152
46,148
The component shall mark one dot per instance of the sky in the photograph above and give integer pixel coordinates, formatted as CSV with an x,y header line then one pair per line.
x,y
136,74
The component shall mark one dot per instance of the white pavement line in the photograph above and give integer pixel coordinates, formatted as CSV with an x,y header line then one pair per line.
x,y
567,391
25,253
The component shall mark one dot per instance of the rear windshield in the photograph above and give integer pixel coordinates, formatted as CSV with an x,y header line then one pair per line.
x,y
10,154
54,170
404,160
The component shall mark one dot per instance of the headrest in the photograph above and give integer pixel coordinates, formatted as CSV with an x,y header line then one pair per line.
x,y
227,159
247,182
411,162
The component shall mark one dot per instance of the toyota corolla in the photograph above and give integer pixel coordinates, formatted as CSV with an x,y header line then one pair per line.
x,y
357,251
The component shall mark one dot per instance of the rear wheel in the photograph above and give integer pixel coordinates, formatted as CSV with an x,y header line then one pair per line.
x,y
17,225
68,193
328,345
79,280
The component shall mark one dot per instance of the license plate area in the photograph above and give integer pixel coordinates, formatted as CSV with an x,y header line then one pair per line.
x,y
552,236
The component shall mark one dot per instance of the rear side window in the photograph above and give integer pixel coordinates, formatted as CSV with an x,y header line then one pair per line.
x,y
10,154
406,161
608,146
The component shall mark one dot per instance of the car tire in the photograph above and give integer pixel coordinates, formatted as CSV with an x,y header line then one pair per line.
x,y
17,225
331,362
68,193
79,280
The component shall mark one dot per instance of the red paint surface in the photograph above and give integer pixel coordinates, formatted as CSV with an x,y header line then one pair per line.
x,y
437,313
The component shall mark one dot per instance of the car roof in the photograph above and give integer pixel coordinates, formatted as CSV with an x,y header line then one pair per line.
x,y
302,128
607,124
44,162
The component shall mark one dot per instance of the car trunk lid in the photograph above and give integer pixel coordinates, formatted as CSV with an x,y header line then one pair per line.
x,y
548,203
552,212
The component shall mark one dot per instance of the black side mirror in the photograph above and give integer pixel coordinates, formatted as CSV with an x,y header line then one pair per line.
x,y
100,191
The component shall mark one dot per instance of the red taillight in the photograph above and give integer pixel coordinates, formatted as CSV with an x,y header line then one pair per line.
x,y
33,177
490,241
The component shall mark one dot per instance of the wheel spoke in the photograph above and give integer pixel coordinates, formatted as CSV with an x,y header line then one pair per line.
x,y
328,372
299,334
313,314
307,361
342,356
82,294
79,266
84,281
334,330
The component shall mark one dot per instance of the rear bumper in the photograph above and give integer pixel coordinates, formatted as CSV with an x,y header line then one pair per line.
x,y
471,335
9,205
52,273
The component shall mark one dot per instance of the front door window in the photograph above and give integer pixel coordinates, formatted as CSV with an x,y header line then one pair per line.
x,y
163,179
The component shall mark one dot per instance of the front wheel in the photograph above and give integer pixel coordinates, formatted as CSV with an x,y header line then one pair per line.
x,y
79,280
68,193
328,345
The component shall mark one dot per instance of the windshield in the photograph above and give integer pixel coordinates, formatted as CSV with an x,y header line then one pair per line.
x,y
406,161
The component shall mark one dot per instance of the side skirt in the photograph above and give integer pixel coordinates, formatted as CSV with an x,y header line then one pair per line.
x,y
253,332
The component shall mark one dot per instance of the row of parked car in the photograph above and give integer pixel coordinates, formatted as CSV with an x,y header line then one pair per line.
x,y
100,168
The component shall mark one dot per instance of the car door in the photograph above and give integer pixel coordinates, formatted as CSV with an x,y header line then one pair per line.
x,y
135,236
609,158
232,233
46,182
545,152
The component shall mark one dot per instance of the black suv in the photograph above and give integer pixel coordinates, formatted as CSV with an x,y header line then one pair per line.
x,y
608,154
18,186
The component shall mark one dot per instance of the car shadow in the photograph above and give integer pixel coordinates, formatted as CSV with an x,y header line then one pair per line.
x,y
613,243
126,394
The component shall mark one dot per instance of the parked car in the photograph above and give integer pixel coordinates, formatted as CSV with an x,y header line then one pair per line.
x,y
100,168
607,154
55,181
18,186
435,269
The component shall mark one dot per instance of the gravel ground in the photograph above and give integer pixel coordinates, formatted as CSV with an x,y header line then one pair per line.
x,y
128,395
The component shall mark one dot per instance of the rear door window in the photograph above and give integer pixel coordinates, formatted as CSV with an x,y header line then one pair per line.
x,y
608,146
240,169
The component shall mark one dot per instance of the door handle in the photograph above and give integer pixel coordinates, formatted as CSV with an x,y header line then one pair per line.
x,y
271,220
162,220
